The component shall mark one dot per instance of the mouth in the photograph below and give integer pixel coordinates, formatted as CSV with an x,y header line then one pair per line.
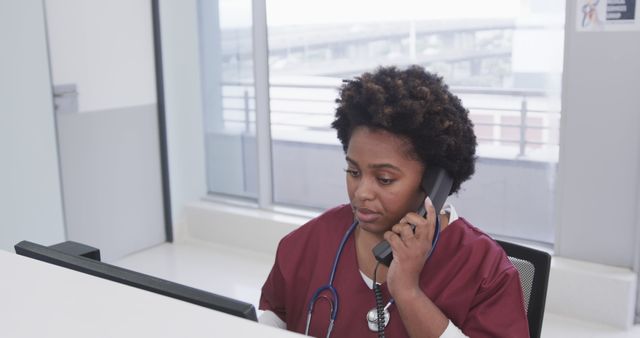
x,y
366,215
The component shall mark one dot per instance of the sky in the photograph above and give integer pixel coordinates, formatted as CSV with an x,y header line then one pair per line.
x,y
237,13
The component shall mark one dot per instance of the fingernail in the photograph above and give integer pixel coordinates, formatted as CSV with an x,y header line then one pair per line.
x,y
428,201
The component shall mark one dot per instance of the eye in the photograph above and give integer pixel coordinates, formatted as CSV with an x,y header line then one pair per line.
x,y
385,180
352,172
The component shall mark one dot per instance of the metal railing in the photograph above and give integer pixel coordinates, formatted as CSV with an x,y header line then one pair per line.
x,y
525,119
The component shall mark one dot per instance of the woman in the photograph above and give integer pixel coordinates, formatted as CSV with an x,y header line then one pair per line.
x,y
395,126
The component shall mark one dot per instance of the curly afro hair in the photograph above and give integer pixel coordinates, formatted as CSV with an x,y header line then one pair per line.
x,y
415,105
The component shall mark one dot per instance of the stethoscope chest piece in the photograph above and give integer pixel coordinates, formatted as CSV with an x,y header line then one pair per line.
x,y
372,319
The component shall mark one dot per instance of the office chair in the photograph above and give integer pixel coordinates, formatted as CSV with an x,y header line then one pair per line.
x,y
533,266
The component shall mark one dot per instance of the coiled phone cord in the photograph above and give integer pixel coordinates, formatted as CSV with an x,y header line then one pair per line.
x,y
379,303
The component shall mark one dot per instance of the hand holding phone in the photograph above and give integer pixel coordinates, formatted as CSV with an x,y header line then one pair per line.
x,y
437,184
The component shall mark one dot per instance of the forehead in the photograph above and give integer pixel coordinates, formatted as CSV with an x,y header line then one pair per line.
x,y
380,146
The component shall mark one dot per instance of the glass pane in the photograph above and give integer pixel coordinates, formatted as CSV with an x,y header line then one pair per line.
x,y
228,96
503,58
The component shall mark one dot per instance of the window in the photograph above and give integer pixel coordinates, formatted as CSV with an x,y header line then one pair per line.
x,y
226,45
502,58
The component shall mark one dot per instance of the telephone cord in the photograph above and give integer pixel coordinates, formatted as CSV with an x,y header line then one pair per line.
x,y
379,303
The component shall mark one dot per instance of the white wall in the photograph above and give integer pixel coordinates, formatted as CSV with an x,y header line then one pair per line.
x,y
30,196
97,44
599,177
599,168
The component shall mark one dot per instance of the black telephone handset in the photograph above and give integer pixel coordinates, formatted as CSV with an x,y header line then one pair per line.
x,y
437,184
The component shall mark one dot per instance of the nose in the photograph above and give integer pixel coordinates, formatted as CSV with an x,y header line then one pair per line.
x,y
364,190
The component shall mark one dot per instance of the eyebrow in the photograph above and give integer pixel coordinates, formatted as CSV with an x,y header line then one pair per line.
x,y
374,166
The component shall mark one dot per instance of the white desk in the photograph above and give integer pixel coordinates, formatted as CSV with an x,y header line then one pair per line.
x,y
38,299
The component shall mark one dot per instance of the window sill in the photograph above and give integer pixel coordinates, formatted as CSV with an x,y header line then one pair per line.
x,y
582,290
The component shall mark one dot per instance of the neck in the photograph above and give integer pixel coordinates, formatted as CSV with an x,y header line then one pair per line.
x,y
365,241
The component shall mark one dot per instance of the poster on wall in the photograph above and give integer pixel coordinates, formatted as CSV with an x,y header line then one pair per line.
x,y
607,15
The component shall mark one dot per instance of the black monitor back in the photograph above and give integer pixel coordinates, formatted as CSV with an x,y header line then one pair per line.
x,y
136,279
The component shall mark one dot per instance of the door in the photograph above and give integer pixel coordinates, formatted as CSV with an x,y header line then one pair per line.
x,y
102,65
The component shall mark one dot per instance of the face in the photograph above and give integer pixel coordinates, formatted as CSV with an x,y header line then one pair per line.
x,y
383,181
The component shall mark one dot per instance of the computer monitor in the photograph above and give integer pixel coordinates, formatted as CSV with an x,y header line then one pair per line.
x,y
137,279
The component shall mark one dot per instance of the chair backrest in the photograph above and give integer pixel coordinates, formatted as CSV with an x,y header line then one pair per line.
x,y
533,266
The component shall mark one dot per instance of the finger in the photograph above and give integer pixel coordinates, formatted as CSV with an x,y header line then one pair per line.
x,y
431,210
401,228
406,231
394,240
414,219
426,228
404,220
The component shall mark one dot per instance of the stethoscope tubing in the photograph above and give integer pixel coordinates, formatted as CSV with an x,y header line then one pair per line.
x,y
329,286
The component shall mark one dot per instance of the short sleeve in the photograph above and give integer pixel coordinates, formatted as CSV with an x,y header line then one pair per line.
x,y
498,308
273,293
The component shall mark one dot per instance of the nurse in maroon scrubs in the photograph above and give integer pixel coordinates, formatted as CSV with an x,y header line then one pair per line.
x,y
394,126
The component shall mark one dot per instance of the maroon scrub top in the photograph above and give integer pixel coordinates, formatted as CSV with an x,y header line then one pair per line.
x,y
468,277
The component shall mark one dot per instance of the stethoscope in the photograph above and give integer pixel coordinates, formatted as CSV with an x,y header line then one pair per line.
x,y
334,294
